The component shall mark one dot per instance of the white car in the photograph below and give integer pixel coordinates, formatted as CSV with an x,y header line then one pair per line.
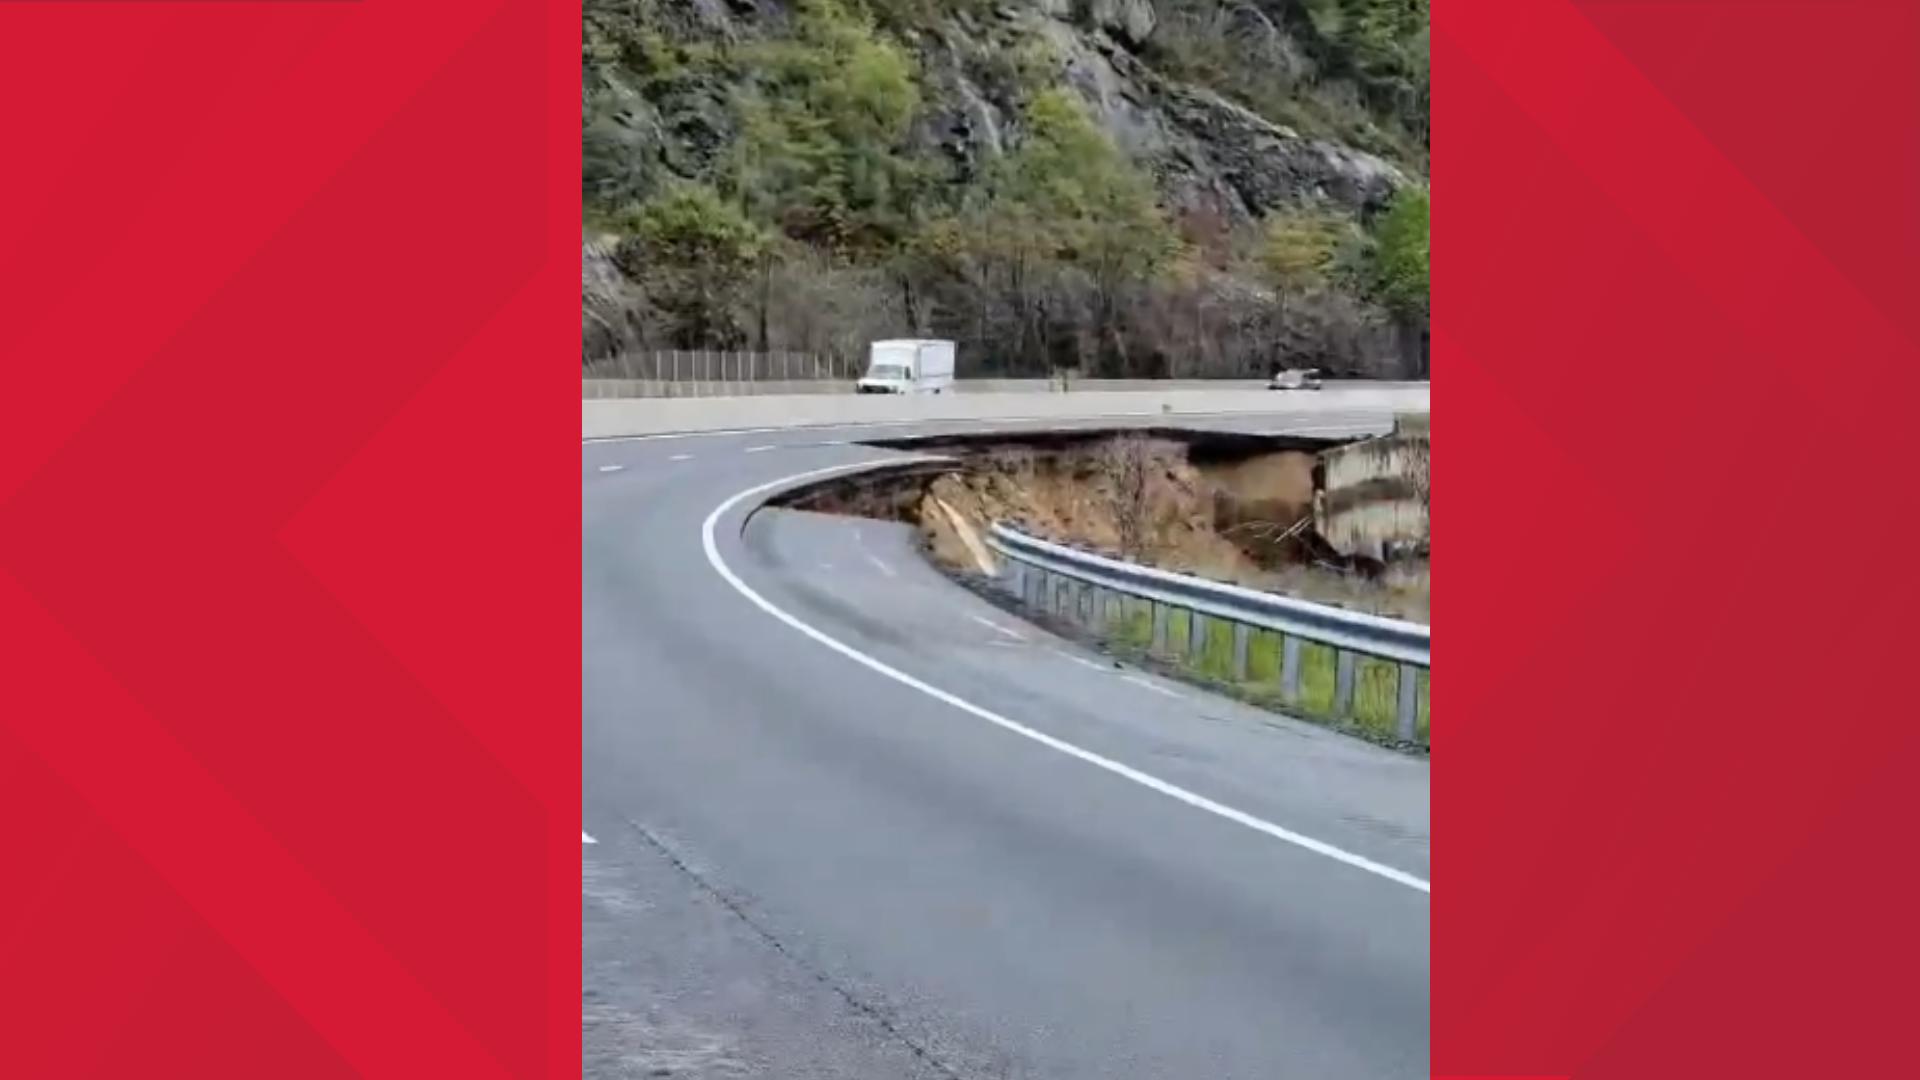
x,y
1295,379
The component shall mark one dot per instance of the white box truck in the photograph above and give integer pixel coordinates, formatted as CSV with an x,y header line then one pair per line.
x,y
908,367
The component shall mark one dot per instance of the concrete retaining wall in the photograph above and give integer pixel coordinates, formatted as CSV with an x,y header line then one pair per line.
x,y
1372,495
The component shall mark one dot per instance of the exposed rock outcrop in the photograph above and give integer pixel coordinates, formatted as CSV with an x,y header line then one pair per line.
x,y
1203,149
608,303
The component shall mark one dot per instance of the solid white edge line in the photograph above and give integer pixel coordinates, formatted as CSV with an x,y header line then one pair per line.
x,y
994,626
1148,684
1146,780
1083,662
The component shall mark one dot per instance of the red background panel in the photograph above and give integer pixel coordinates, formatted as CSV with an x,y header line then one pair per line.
x,y
288,561
288,728
1677,359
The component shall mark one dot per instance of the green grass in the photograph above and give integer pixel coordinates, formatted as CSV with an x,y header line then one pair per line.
x,y
1131,623
1376,692
1317,677
1179,625
1216,655
1376,696
1422,729
1263,660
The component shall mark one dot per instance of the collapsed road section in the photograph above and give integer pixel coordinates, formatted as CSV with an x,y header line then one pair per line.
x,y
1335,523
1338,522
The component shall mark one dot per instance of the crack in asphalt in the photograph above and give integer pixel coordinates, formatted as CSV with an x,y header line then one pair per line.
x,y
739,911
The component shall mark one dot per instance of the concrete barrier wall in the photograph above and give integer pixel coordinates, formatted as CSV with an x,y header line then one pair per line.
x,y
598,389
616,417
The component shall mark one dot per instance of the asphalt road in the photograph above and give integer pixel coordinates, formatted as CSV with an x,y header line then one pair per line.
x,y
805,865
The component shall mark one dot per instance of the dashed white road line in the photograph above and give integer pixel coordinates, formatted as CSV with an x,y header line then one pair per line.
x,y
585,839
611,468
1153,686
758,449
860,541
681,457
711,546
995,627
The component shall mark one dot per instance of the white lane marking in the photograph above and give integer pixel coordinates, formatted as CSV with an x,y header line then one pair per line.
x,y
995,627
716,432
758,449
611,468
860,541
1146,780
585,839
1083,662
681,457
1153,686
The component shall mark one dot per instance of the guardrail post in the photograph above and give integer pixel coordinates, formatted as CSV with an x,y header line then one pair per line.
x,y
1242,645
1343,684
1097,609
1159,628
1290,670
1409,701
1196,637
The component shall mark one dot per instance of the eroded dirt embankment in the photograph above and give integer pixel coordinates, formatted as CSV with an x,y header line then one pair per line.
x,y
1234,509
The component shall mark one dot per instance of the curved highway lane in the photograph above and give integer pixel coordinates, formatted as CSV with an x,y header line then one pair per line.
x,y
806,853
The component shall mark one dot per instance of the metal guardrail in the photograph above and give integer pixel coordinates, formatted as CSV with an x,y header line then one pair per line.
x,y
1083,586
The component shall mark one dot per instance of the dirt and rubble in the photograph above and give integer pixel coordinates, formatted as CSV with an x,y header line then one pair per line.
x,y
1235,509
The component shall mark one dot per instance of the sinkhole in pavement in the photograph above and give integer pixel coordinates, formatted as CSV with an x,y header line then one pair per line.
x,y
1337,521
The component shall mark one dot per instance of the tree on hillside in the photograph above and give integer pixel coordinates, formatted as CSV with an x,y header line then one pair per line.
x,y
1305,250
694,254
1067,198
822,149
1403,241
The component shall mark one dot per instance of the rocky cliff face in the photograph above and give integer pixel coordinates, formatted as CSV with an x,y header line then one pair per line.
x,y
608,302
1204,150
871,141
